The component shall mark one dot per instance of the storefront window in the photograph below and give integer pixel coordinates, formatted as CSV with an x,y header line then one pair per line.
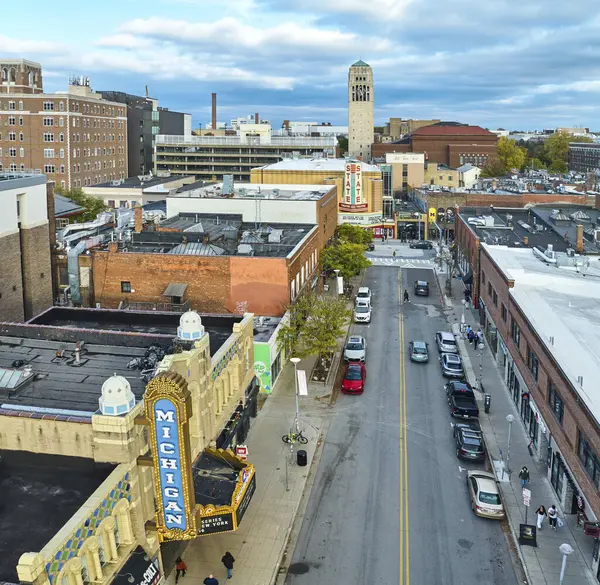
x,y
590,460
558,473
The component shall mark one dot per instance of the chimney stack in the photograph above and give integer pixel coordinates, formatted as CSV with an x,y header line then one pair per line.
x,y
214,111
256,118
579,239
138,220
113,247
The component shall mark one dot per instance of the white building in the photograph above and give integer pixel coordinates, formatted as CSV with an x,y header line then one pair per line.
x,y
361,112
468,175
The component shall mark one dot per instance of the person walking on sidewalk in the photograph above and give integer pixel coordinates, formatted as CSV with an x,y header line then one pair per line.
x,y
228,561
478,338
524,476
541,515
210,580
470,335
180,568
406,299
552,516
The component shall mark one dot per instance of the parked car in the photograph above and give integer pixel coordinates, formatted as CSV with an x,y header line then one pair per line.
x,y
421,288
485,495
452,366
446,342
461,400
364,295
354,378
418,351
356,349
421,245
469,441
362,312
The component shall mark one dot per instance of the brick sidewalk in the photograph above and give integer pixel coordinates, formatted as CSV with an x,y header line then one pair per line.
x,y
542,564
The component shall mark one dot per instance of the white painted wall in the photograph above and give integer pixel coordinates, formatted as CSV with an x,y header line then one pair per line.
x,y
33,208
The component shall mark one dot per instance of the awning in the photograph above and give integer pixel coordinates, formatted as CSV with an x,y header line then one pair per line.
x,y
175,289
140,567
223,486
468,278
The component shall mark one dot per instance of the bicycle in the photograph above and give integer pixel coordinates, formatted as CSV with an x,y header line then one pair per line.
x,y
295,437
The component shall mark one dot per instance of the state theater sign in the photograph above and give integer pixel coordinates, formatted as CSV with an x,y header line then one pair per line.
x,y
353,198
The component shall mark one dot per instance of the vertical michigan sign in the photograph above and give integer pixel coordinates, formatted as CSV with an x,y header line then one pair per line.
x,y
168,408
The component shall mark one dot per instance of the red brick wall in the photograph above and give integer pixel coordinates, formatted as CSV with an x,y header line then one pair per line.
x,y
575,416
468,244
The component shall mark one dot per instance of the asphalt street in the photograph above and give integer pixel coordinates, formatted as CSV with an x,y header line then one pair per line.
x,y
377,514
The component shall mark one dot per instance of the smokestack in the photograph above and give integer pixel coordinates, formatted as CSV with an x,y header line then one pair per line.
x,y
579,239
256,118
214,111
138,219
286,125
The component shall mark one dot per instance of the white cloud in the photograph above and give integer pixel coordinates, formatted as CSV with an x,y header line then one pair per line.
x,y
22,47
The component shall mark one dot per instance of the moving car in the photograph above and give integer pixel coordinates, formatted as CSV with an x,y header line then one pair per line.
x,y
418,351
356,349
364,295
461,400
451,365
469,441
421,288
446,342
354,378
421,245
362,312
485,495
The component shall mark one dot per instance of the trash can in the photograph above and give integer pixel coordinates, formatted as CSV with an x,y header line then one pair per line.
x,y
301,458
487,400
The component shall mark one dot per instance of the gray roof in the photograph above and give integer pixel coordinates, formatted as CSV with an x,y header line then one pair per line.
x,y
175,289
64,207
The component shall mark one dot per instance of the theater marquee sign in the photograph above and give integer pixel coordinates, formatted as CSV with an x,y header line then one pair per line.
x,y
353,198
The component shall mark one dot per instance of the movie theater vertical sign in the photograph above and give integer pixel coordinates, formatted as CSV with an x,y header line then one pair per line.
x,y
353,198
168,408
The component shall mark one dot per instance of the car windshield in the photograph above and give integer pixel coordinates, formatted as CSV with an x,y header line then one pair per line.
x,y
472,444
447,341
487,498
453,365
361,309
419,350
354,346
421,283
353,374
363,295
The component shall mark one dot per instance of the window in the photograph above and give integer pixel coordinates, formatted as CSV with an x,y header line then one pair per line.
x,y
61,137
22,152
62,153
20,120
12,136
49,169
489,289
588,457
48,153
111,203
13,167
61,122
61,107
48,106
532,362
48,121
21,137
556,403
125,286
63,184
504,313
12,105
483,277
515,332
22,168
12,152
12,121
48,137
62,170
21,105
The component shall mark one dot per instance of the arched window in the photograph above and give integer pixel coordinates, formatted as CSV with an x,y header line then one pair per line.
x,y
61,106
4,74
13,75
62,169
22,167
29,78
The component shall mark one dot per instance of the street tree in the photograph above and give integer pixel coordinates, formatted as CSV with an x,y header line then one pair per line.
x,y
353,234
342,144
556,150
510,155
346,257
92,205
288,337
493,168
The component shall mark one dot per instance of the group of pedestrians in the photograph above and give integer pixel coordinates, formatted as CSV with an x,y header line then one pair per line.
x,y
474,337
551,513
227,560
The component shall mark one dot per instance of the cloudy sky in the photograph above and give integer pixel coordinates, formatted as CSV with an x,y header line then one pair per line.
x,y
518,64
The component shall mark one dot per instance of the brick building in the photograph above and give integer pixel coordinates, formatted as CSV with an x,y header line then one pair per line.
x,y
446,143
26,232
539,314
214,263
76,138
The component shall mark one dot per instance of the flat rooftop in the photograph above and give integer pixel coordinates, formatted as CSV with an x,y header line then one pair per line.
x,y
137,183
41,491
112,339
336,165
199,234
563,221
264,327
561,303
19,179
510,227
270,192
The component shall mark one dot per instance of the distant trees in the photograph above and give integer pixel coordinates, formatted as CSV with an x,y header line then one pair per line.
x,y
92,205
553,153
510,156
342,144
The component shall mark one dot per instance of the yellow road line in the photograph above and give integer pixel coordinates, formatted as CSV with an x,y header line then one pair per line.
x,y
404,543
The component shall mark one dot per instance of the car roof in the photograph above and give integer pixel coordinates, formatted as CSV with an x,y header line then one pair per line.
x,y
459,385
360,303
446,335
356,339
363,289
472,427
486,481
422,283
419,344
355,366
452,357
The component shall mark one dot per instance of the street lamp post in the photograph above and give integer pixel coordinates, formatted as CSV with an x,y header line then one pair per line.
x,y
480,348
295,361
462,317
566,550
509,419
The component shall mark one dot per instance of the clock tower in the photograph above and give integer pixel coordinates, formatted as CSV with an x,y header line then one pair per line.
x,y
361,118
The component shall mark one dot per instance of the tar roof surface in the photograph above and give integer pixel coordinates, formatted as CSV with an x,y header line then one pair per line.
x,y
264,327
337,165
40,493
560,304
135,183
570,228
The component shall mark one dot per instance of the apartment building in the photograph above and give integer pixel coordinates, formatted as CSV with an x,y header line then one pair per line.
x,y
74,137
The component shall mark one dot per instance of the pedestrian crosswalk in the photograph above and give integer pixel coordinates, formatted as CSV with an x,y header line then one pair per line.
x,y
400,262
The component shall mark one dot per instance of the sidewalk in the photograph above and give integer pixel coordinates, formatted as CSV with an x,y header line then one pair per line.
x,y
542,564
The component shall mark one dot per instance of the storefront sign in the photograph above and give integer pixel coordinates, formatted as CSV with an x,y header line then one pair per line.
x,y
262,366
353,199
432,214
404,158
245,501
216,524
365,219
138,570
168,408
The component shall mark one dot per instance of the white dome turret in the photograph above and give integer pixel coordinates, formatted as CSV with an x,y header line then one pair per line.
x,y
117,397
190,326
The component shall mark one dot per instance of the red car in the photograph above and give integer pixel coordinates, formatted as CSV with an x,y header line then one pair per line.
x,y
354,378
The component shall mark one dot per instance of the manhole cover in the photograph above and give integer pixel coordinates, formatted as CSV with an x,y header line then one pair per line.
x,y
298,568
465,543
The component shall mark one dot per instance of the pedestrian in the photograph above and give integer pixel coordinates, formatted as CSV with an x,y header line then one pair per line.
x,y
406,299
479,336
541,514
394,253
470,335
552,516
468,332
180,568
524,476
228,561
210,580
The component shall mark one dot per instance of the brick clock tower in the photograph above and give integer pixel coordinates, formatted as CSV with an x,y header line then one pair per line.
x,y
361,119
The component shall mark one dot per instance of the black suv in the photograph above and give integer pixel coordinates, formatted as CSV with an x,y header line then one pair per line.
x,y
421,244
470,445
422,288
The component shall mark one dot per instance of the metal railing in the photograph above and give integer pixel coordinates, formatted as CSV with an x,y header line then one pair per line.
x,y
158,306
287,141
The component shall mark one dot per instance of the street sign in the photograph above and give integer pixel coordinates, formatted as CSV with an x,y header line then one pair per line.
x,y
526,497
